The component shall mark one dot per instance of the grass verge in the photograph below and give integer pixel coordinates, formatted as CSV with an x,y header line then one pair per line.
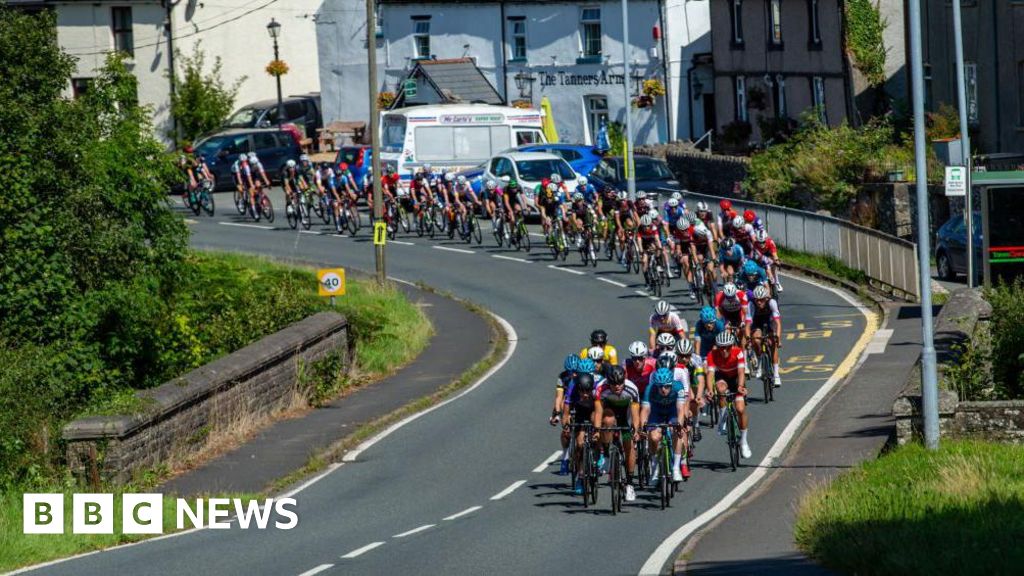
x,y
825,264
957,510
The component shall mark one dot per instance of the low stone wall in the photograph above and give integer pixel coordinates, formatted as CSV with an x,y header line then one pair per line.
x,y
992,420
179,416
697,171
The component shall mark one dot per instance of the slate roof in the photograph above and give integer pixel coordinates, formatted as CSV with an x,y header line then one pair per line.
x,y
459,80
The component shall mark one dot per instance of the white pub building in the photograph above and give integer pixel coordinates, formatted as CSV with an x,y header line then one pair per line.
x,y
526,50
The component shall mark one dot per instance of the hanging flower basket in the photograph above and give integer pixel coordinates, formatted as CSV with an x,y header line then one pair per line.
x,y
653,88
277,68
385,100
522,104
643,101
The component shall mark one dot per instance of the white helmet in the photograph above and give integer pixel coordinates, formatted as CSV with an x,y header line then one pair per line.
x,y
243,158
701,229
702,206
761,235
427,167
491,184
761,292
673,203
595,353
304,158
461,179
623,195
641,195
290,163
662,308
552,187
638,349
577,197
666,339
677,196
653,213
725,339
682,224
252,157
684,347
645,220
729,290
738,222
448,177
582,181
557,179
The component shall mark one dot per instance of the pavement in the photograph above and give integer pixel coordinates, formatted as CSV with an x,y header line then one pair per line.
x,y
472,486
853,425
461,338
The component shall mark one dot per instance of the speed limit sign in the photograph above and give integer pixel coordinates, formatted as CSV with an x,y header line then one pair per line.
x,y
331,281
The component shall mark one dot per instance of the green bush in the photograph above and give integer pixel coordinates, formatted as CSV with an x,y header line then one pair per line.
x,y
864,29
1007,329
201,101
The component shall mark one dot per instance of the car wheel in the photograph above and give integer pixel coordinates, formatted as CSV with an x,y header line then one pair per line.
x,y
944,267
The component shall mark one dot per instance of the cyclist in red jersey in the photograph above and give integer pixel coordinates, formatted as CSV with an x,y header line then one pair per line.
x,y
639,366
731,305
725,368
767,254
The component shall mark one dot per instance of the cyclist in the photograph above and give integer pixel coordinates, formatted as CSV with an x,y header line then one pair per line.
x,y
626,218
665,402
599,338
331,189
601,364
730,257
639,366
617,403
731,305
650,241
724,219
764,316
549,201
709,326
665,321
642,204
683,249
242,173
724,368
590,195
187,163
767,254
704,248
693,366
257,169
581,215
512,199
705,215
665,343
292,182
679,203
579,408
465,200
488,195
752,276
562,384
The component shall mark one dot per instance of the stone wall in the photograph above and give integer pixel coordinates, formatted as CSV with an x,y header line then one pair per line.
x,y
892,208
697,171
179,416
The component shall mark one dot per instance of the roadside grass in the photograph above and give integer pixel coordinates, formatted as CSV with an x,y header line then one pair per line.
x,y
825,264
957,510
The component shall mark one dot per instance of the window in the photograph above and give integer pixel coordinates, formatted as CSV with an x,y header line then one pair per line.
x,y
741,98
392,134
597,115
775,22
814,34
527,137
971,82
779,95
590,31
736,10
818,98
294,110
265,140
517,27
80,87
421,36
1020,93
501,167
121,26
379,24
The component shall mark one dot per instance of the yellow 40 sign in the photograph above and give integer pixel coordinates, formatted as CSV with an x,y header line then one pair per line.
x,y
331,281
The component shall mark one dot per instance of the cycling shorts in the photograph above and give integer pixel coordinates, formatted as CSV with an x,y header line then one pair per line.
x,y
662,416
762,323
551,210
648,242
583,413
733,382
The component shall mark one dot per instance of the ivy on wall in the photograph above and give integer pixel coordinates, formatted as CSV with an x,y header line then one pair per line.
x,y
864,28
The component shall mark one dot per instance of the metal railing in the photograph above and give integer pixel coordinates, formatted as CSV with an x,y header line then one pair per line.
x,y
889,262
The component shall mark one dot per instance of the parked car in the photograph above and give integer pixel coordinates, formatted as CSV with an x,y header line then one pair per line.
x,y
951,246
528,168
652,174
301,110
220,151
359,159
581,157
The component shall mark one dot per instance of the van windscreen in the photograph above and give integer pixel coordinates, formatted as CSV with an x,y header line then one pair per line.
x,y
392,138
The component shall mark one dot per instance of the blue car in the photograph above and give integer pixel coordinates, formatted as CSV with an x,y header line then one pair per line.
x,y
220,151
359,159
583,159
951,247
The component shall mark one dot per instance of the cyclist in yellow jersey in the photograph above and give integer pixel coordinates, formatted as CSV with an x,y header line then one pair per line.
x,y
599,338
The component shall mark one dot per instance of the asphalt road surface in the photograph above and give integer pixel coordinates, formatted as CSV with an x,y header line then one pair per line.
x,y
471,488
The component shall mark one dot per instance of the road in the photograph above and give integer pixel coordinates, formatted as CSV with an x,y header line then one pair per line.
x,y
466,489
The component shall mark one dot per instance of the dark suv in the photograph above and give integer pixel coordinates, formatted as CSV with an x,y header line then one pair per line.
x,y
303,111
272,146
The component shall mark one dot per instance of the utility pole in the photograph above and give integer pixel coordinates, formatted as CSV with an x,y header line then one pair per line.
x,y
375,178
628,160
965,138
929,384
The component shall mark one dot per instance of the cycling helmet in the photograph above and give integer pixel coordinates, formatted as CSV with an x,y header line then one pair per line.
x,y
738,222
512,185
623,195
596,353
728,243
749,215
617,375
243,158
653,213
761,292
666,340
645,220
677,196
253,157
572,362
304,158
598,337
758,224
750,268
585,381
673,203
729,290
448,177
290,163
666,359
638,349
577,197
343,166
682,224
684,347
662,377
707,315
701,229
427,168
325,165
460,179
662,308
556,178
725,339
552,187
725,205
761,236
702,206
582,181
586,366
491,184
641,195
692,218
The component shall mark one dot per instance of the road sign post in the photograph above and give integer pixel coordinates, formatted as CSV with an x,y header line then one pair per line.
x,y
331,282
956,181
380,233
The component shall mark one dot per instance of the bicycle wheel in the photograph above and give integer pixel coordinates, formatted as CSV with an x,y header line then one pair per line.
x,y
403,218
208,204
615,478
524,235
733,439
587,461
665,478
498,230
351,219
454,225
636,257
316,204
768,376
474,229
240,203
291,213
642,465
267,208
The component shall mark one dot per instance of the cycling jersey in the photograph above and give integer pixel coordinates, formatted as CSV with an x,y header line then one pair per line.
x,y
733,310
672,215
767,248
707,334
707,218
726,362
734,256
684,236
664,408
575,399
648,234
589,193
762,317
611,356
670,323
693,368
565,379
641,375
751,281
618,402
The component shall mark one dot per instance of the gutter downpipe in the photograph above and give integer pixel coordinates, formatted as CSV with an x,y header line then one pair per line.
x,y
671,128
504,55
170,63
689,104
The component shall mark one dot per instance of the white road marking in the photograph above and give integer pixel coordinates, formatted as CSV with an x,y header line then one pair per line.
x,y
665,551
243,225
879,341
523,260
508,490
317,570
537,235
400,281
642,293
513,339
569,270
310,232
469,510
190,221
311,481
363,550
414,531
612,282
402,243
548,461
459,250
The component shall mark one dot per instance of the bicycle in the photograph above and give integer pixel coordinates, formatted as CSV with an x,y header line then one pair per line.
x,y
435,219
663,460
652,275
469,226
732,429
588,251
296,211
241,200
616,466
201,199
264,206
557,240
587,460
520,234
632,252
498,226
766,355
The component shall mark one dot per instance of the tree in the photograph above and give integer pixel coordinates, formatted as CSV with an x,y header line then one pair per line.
x,y
201,102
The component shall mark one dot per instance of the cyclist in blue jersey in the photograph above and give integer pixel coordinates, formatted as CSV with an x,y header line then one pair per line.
x,y
562,384
708,327
730,257
583,186
751,277
665,402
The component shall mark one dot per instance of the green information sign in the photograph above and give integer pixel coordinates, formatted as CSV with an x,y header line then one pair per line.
x,y
409,87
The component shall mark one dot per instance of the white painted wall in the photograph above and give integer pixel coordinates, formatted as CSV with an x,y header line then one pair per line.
x,y
688,32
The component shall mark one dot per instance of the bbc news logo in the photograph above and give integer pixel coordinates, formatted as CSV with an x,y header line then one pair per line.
x,y
144,513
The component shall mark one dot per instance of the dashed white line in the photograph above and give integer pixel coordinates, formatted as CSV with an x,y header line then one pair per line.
x,y
547,461
537,235
464,512
242,225
642,293
402,243
317,570
414,531
508,490
190,221
523,260
459,250
612,282
569,270
310,232
363,550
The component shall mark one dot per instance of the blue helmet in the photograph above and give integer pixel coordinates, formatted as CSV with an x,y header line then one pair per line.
x,y
750,268
661,377
586,366
572,363
707,315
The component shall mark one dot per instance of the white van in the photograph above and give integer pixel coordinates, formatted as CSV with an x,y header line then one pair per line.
x,y
453,137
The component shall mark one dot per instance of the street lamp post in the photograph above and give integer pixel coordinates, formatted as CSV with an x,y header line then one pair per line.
x,y
274,29
375,177
628,156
